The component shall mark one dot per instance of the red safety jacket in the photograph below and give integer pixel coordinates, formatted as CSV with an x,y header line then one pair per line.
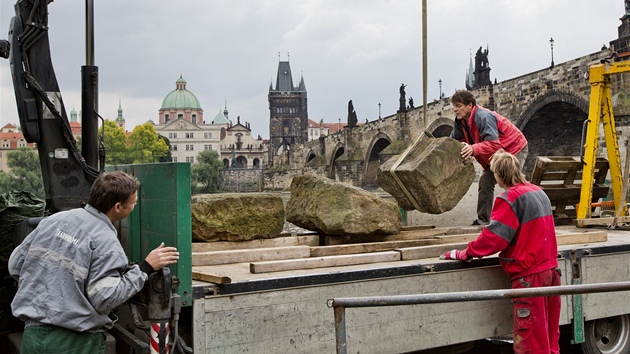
x,y
488,132
522,228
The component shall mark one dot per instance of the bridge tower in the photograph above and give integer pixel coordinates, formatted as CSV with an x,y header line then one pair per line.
x,y
288,113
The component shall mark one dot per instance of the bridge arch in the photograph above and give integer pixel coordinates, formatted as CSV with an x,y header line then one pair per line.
x,y
310,155
372,161
552,124
338,150
441,127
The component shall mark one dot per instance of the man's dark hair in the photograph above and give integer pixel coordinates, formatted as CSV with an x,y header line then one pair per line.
x,y
111,188
464,97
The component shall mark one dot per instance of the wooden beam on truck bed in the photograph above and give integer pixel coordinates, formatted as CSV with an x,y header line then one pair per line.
x,y
199,273
300,240
436,250
249,255
323,262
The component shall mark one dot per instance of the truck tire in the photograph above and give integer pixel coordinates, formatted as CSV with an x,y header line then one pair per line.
x,y
609,335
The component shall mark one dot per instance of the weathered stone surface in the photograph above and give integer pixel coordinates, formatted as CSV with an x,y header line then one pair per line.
x,y
333,208
434,174
236,216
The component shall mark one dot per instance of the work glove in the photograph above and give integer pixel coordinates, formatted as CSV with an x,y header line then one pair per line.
x,y
455,254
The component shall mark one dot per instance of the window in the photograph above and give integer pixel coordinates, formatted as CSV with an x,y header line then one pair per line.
x,y
207,135
174,147
207,147
190,147
166,117
180,116
194,118
172,135
174,158
190,159
21,143
189,135
6,143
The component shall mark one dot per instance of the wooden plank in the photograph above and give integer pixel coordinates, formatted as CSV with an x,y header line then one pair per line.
x,y
456,238
582,237
429,251
250,255
354,248
306,240
601,221
210,277
323,262
402,236
437,250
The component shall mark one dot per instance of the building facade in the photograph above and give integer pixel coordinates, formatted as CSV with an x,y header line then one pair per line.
x,y
181,121
288,115
240,150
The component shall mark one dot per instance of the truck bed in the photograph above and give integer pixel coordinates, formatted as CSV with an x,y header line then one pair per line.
x,y
285,311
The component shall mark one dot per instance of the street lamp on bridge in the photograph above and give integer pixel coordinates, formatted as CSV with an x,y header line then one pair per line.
x,y
379,110
440,82
551,44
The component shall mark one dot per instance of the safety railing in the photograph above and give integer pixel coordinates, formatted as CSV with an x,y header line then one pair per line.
x,y
339,305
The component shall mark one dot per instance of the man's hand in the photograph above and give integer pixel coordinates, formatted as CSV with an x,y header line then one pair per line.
x,y
455,254
162,257
467,151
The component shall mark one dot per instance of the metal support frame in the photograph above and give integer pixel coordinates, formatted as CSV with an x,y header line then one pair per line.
x,y
601,112
578,309
340,304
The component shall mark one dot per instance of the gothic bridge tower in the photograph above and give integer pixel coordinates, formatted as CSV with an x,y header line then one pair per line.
x,y
288,113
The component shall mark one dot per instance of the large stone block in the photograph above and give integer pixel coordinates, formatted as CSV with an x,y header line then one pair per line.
x,y
333,208
433,173
236,216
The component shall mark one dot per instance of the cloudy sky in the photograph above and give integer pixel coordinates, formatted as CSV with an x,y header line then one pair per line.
x,y
345,49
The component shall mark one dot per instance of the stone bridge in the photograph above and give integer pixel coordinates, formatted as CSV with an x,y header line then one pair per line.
x,y
548,105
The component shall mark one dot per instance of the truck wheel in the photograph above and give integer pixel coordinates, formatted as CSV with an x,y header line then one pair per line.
x,y
609,335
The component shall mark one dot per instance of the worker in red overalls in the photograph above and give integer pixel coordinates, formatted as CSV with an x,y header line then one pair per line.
x,y
522,229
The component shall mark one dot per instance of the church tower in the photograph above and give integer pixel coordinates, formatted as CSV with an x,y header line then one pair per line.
x,y
288,113
120,121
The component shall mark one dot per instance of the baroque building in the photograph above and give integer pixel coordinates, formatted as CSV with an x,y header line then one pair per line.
x,y
288,115
240,150
181,121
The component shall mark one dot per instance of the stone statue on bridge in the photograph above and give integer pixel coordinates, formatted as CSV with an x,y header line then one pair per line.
x,y
352,115
627,2
482,68
402,100
481,58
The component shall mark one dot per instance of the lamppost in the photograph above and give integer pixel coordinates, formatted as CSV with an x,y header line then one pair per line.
x,y
339,126
379,110
551,44
440,82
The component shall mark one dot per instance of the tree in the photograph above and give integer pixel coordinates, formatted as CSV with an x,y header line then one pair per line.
x,y
145,146
116,149
206,172
25,173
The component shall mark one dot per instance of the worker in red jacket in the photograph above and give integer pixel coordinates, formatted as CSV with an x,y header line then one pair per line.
x,y
522,229
483,133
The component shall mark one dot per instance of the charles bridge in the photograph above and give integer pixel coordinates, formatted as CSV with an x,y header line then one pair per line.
x,y
549,105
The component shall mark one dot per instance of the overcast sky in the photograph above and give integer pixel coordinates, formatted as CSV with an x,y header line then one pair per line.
x,y
345,49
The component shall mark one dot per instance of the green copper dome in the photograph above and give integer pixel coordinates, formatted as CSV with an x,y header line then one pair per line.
x,y
180,98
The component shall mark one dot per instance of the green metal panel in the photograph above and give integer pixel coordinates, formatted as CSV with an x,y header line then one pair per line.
x,y
161,215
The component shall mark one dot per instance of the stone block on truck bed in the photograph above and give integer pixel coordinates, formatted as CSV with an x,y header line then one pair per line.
x,y
236,216
334,208
432,172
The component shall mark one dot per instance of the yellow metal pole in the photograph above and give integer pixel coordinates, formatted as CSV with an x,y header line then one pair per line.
x,y
591,142
612,145
600,111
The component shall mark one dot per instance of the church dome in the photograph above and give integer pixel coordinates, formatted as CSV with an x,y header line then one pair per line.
x,y
180,98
